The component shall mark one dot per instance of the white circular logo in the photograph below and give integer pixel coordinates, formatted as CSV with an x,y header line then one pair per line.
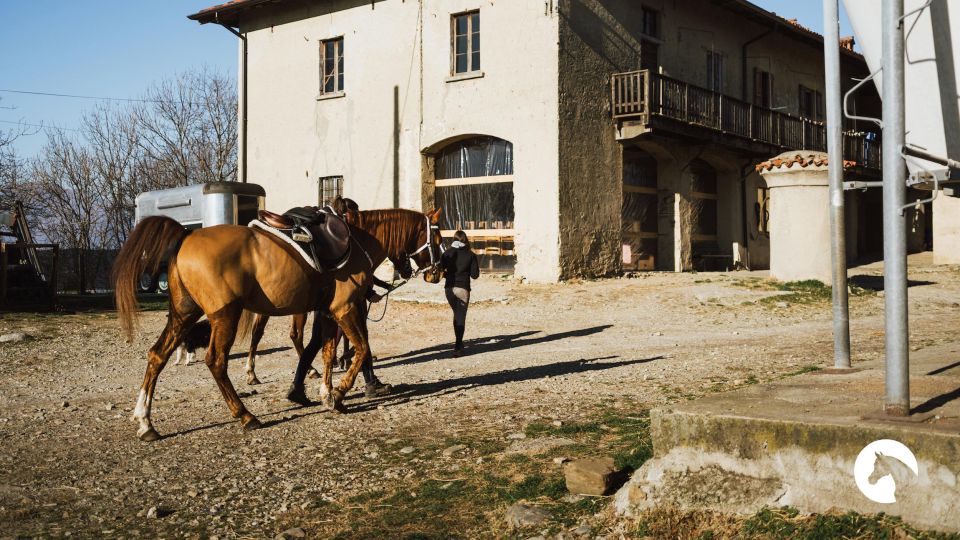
x,y
880,465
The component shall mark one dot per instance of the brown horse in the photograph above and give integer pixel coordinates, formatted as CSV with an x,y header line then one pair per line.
x,y
229,270
400,261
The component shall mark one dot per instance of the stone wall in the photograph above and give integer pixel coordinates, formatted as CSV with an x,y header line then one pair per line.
x,y
597,38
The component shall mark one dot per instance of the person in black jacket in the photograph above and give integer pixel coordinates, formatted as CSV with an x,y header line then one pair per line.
x,y
460,266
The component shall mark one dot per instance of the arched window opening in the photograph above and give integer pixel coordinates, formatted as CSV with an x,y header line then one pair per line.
x,y
474,186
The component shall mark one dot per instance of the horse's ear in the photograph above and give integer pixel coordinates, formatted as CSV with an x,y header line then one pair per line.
x,y
435,216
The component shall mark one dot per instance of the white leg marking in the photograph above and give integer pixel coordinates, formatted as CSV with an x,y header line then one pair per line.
x,y
142,413
140,410
189,358
179,353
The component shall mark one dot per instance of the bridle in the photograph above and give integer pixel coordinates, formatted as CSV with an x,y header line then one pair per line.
x,y
408,260
428,246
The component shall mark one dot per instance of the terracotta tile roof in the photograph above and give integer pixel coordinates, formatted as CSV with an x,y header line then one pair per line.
x,y
789,159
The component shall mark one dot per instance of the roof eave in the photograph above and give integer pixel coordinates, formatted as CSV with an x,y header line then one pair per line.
x,y
804,34
226,14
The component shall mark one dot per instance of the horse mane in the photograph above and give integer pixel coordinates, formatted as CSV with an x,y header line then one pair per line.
x,y
394,228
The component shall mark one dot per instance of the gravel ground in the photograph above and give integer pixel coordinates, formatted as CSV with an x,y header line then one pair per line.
x,y
71,463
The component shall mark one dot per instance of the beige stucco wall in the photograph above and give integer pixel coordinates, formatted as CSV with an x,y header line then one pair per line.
x,y
296,138
946,230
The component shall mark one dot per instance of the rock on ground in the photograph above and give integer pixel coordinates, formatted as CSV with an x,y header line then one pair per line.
x,y
521,515
590,476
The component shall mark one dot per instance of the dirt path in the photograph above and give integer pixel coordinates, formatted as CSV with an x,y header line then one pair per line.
x,y
560,355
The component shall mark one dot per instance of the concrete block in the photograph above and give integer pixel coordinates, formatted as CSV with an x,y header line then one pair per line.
x,y
795,443
590,476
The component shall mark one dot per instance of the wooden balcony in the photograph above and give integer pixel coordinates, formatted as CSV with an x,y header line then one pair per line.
x,y
651,101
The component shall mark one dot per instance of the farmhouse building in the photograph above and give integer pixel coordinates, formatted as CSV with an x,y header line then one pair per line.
x,y
566,137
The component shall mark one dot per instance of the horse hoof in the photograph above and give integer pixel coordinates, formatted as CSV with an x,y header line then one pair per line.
x,y
251,424
298,395
335,402
150,435
252,380
314,374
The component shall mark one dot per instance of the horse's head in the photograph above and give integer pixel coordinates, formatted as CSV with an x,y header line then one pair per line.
x,y
427,255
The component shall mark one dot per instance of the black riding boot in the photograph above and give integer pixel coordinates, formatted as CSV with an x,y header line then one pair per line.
x,y
366,368
373,387
458,330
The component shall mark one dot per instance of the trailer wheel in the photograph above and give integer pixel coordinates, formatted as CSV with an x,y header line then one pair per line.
x,y
146,283
163,283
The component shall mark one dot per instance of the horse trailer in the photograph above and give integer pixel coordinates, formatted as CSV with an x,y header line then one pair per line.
x,y
197,206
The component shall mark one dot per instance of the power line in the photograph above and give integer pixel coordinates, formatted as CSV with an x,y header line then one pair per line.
x,y
96,98
40,126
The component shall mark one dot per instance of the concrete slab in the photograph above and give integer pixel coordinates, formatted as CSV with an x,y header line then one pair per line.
x,y
794,442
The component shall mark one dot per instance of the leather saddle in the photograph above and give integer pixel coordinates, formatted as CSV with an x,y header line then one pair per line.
x,y
324,235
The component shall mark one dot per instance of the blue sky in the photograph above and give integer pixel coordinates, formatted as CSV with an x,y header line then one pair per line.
x,y
118,48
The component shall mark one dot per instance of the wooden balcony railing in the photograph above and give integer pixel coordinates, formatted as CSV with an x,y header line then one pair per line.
x,y
642,94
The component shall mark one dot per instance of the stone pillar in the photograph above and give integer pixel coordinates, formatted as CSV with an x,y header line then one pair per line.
x,y
683,225
682,254
946,229
799,216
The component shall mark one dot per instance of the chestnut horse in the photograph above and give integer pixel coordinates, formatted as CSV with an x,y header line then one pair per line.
x,y
400,261
228,271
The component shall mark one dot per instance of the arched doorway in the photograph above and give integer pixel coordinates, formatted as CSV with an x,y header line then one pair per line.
x,y
639,210
474,186
704,194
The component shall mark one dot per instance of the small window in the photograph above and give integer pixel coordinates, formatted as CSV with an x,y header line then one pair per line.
x,y
762,88
331,66
331,187
715,71
466,42
811,104
651,22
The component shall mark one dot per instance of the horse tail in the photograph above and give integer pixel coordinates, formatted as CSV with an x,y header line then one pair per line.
x,y
153,240
245,325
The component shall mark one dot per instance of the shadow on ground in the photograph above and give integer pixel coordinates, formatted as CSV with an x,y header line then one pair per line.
x,y
485,345
875,283
407,393
261,352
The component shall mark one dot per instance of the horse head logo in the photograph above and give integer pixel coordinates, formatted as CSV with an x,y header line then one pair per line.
x,y
880,466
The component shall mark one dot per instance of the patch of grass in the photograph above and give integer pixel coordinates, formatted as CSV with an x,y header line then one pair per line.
x,y
804,369
470,502
809,291
779,523
539,429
